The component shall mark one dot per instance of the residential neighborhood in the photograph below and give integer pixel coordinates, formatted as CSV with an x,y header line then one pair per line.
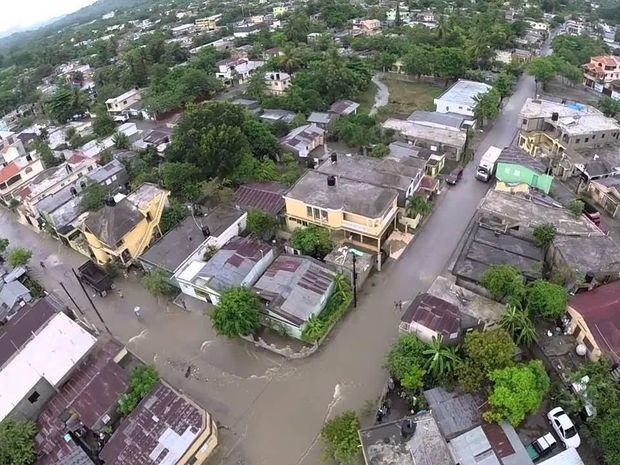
x,y
310,231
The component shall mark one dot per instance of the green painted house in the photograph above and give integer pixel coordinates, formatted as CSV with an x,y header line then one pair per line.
x,y
515,166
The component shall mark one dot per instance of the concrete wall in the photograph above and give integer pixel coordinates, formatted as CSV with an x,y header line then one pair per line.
x,y
580,329
448,106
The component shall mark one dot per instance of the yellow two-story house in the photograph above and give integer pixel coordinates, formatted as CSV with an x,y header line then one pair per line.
x,y
123,230
356,212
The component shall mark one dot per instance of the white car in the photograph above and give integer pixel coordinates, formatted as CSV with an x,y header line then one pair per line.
x,y
564,427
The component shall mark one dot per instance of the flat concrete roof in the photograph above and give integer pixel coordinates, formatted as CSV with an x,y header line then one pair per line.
x,y
416,130
351,196
596,254
486,247
384,173
541,108
518,210
464,91
385,444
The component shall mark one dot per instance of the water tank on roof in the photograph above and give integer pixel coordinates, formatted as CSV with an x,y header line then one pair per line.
x,y
581,350
555,116
110,202
331,181
334,158
407,428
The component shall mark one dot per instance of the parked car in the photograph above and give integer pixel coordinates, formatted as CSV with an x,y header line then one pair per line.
x,y
455,175
93,275
564,427
541,447
591,212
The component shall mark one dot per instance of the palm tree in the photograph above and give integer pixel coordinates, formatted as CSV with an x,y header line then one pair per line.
x,y
443,359
289,61
520,326
418,205
121,141
341,286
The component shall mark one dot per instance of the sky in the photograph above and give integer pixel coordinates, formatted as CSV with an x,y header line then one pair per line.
x,y
21,14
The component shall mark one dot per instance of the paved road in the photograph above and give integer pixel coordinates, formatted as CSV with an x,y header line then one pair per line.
x,y
382,96
270,409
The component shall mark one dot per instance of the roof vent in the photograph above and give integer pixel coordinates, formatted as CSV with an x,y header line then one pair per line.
x,y
331,181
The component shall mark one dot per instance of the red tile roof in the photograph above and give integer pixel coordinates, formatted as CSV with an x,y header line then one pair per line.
x,y
606,60
9,171
600,309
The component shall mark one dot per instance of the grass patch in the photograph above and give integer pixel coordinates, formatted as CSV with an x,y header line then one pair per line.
x,y
366,99
406,97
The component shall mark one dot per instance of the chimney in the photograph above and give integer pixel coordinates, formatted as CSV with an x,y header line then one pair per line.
x,y
331,181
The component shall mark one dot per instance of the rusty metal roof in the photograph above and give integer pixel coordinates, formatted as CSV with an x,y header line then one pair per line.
x,y
161,428
434,313
266,196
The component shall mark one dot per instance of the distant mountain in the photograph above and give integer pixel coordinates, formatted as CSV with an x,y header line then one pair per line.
x,y
83,15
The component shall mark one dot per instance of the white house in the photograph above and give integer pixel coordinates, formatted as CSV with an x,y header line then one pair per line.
x,y
276,82
122,104
460,97
236,69
239,262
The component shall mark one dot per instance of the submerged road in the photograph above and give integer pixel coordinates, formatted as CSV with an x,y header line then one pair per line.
x,y
270,409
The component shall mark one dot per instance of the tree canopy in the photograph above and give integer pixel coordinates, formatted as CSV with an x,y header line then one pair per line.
x,y
503,281
341,439
142,381
237,313
19,256
517,391
546,300
93,197
262,224
17,445
312,240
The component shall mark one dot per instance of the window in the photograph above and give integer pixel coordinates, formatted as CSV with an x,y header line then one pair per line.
x,y
578,141
602,136
149,218
316,213
587,139
33,397
594,137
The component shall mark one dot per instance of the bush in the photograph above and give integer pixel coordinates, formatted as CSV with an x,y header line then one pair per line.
x,y
19,257
503,281
237,312
141,382
406,353
93,198
341,439
262,224
312,240
546,300
544,235
35,288
337,305
17,445
576,207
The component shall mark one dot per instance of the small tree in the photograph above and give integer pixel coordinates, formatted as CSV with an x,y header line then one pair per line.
x,y
517,391
262,224
576,207
503,281
93,197
544,235
485,351
19,257
158,283
103,124
546,299
237,312
142,381
520,326
609,106
4,244
121,141
17,445
380,151
312,240
408,351
342,442
418,205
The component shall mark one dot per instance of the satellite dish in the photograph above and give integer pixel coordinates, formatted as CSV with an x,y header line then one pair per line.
x,y
581,350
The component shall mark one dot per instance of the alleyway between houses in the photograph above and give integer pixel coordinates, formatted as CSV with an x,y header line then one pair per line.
x,y
271,410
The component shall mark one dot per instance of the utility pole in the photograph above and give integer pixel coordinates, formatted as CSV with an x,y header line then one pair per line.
x,y
91,302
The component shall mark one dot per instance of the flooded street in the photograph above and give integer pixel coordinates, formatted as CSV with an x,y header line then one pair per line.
x,y
270,409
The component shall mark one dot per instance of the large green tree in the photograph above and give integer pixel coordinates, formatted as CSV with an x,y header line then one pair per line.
x,y
546,300
503,281
65,103
17,445
312,240
485,351
517,392
450,63
103,124
237,313
487,106
262,224
543,69
341,439
181,179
